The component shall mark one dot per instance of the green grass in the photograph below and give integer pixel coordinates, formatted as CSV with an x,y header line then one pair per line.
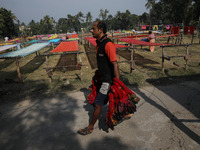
x,y
36,80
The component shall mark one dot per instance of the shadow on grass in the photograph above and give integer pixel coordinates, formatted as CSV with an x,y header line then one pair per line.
x,y
6,63
32,65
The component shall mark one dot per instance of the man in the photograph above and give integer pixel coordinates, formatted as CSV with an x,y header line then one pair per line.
x,y
107,69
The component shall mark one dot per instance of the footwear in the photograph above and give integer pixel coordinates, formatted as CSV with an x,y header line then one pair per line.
x,y
127,117
84,131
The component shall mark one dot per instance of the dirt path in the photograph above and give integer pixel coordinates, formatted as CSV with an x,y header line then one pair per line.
x,y
167,117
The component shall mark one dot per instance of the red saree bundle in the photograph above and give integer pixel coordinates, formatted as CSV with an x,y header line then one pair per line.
x,y
122,101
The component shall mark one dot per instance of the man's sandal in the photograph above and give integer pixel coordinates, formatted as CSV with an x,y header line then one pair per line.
x,y
85,131
127,117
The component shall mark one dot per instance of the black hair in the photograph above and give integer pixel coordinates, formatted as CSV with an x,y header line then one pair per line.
x,y
102,25
150,32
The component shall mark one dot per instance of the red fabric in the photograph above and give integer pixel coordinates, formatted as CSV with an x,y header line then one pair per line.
x,y
67,47
186,29
189,29
122,101
144,27
175,30
192,28
74,36
93,42
137,42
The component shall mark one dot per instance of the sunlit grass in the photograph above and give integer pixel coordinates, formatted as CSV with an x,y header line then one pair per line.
x,y
36,79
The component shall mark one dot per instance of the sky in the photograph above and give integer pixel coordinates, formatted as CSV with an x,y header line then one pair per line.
x,y
27,10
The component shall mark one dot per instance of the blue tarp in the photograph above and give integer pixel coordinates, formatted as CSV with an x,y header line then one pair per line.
x,y
32,41
5,47
25,51
54,40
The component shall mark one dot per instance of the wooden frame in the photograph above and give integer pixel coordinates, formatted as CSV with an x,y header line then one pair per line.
x,y
186,56
49,69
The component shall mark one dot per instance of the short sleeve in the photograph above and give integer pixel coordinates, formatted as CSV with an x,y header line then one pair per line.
x,y
110,50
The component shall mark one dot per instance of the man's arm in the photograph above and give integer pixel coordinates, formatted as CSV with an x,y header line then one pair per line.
x,y
116,69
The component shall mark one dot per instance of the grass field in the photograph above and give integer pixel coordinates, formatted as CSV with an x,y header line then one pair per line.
x,y
148,70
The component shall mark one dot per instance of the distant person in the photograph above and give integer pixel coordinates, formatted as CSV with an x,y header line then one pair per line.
x,y
151,39
6,39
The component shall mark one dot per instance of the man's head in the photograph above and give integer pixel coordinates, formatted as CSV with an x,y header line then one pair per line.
x,y
99,29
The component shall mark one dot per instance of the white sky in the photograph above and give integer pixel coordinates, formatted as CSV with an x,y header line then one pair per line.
x,y
27,10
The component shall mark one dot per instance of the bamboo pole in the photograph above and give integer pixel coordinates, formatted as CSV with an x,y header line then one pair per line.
x,y
186,60
47,61
163,59
18,70
132,65
79,55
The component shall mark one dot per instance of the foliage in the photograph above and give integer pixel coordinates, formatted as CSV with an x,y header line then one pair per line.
x,y
160,12
47,25
62,26
35,27
174,12
103,14
7,25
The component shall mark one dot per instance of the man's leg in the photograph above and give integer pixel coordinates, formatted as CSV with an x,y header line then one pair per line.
x,y
95,116
99,102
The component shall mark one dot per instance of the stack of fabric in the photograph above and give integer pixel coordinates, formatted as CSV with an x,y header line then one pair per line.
x,y
122,101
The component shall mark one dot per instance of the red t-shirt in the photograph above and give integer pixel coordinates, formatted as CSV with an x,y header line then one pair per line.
x,y
110,51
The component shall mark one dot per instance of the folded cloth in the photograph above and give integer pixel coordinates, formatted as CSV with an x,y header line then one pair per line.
x,y
122,101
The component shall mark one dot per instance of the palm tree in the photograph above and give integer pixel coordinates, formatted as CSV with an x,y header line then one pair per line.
x,y
149,5
89,17
103,14
7,25
88,20
80,16
47,24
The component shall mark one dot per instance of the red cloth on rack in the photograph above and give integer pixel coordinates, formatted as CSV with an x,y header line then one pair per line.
x,y
93,42
67,47
122,101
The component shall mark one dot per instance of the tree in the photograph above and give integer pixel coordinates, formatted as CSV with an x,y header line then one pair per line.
x,y
62,26
103,14
47,25
80,16
174,12
7,26
79,21
135,21
109,22
117,21
74,23
34,27
126,20
149,5
88,20
196,12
